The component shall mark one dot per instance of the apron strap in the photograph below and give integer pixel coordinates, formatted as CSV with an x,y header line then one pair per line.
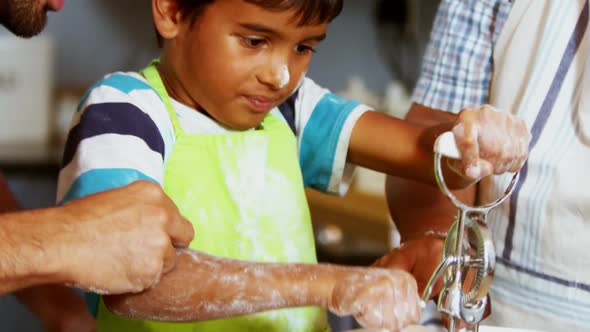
x,y
155,81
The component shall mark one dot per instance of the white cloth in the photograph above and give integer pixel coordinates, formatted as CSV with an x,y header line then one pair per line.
x,y
543,263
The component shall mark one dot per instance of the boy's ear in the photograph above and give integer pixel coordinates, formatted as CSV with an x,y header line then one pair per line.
x,y
167,17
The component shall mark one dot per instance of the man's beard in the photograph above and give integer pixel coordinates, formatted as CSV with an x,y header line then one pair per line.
x,y
25,18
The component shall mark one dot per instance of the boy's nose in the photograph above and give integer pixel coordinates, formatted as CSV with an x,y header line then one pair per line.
x,y
276,76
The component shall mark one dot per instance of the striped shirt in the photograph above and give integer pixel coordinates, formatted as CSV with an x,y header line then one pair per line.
x,y
542,262
122,133
457,65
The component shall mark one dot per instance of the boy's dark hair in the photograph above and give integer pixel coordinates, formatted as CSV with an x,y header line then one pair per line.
x,y
308,11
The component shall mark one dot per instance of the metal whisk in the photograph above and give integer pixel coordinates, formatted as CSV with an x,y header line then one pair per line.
x,y
468,247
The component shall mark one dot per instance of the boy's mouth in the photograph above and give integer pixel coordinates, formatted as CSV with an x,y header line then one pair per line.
x,y
260,103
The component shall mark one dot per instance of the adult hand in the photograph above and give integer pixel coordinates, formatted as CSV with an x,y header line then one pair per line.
x,y
419,256
491,142
377,298
121,240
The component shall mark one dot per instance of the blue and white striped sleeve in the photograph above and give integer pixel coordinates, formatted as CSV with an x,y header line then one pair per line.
x,y
324,123
118,136
457,65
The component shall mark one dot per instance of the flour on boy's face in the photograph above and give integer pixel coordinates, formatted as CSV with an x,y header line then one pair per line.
x,y
238,60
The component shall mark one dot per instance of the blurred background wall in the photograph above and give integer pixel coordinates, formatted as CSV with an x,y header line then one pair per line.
x,y
94,37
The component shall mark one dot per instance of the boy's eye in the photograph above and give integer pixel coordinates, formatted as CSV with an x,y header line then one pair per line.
x,y
303,49
253,42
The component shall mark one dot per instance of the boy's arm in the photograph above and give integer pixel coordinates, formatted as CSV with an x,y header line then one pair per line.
x,y
420,209
489,141
422,214
393,146
335,133
204,287
449,80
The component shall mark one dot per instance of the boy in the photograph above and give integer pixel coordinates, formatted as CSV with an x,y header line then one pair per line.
x,y
225,122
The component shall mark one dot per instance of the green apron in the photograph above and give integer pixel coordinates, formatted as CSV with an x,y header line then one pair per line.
x,y
243,193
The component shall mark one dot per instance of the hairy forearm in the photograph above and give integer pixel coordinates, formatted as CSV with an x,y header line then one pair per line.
x,y
203,287
25,259
14,267
47,302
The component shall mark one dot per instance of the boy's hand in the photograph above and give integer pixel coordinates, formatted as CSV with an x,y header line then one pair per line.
x,y
419,256
490,142
121,240
377,298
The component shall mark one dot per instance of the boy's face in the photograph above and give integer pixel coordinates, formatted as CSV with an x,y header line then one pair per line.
x,y
238,61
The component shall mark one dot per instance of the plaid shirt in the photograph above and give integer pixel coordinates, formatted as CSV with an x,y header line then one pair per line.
x,y
457,66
